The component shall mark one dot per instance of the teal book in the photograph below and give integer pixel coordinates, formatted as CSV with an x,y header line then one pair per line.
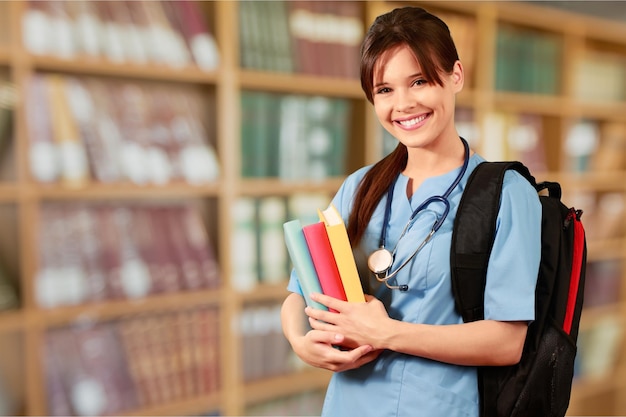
x,y
302,262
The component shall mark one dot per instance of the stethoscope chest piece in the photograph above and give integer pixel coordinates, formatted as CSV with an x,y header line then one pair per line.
x,y
379,262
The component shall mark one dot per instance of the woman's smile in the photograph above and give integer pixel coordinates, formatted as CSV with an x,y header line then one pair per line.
x,y
413,122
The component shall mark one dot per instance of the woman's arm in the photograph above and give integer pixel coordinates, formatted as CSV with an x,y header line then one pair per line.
x,y
485,342
316,347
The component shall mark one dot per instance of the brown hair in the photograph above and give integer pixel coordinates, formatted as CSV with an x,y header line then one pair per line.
x,y
428,37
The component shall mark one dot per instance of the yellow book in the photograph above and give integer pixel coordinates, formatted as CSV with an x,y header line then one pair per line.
x,y
340,244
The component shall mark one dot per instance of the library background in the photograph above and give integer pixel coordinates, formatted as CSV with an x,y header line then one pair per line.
x,y
150,152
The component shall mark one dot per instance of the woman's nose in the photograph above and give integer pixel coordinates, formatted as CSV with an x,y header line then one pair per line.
x,y
405,100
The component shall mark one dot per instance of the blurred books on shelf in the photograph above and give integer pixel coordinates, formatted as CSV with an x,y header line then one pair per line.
x,y
595,146
527,61
581,142
517,137
293,137
8,101
111,367
259,254
86,129
306,37
603,283
600,76
98,252
603,213
600,348
171,33
307,403
265,352
8,292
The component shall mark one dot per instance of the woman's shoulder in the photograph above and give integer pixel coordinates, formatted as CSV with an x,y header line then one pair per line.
x,y
353,180
345,195
512,178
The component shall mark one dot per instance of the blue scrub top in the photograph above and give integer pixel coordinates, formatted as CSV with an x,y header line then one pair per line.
x,y
397,384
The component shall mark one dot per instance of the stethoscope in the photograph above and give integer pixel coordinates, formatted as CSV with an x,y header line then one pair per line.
x,y
381,260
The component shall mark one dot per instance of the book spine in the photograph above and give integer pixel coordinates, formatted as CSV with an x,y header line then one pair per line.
x,y
201,245
342,251
323,260
189,267
302,262
198,34
132,334
70,146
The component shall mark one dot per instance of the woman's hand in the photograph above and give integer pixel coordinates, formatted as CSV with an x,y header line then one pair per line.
x,y
358,324
318,348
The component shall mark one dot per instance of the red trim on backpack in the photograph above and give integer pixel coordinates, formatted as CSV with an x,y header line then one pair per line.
x,y
577,261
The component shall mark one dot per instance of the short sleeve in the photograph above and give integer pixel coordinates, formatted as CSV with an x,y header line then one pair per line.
x,y
516,253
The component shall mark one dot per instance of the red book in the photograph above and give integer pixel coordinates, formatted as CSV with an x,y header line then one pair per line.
x,y
324,260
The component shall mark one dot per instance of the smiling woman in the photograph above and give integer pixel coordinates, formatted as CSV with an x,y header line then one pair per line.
x,y
406,350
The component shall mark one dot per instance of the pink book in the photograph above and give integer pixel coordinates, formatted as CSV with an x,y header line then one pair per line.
x,y
324,260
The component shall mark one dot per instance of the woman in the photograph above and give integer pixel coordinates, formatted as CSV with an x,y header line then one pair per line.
x,y
406,350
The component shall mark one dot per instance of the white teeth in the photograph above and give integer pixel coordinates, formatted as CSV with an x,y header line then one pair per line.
x,y
413,122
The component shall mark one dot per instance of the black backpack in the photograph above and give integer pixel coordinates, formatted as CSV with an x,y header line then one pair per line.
x,y
540,384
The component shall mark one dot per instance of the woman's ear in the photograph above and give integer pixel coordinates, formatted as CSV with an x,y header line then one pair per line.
x,y
458,76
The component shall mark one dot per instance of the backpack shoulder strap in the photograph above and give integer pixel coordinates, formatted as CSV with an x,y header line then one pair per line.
x,y
474,233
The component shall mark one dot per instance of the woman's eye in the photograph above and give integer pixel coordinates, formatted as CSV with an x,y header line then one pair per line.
x,y
383,90
420,81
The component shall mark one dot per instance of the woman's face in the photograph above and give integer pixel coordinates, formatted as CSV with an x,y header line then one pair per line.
x,y
417,112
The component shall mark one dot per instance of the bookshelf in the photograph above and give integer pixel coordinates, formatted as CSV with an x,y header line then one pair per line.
x,y
494,108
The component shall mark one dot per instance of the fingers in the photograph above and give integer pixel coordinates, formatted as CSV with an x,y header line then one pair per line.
x,y
326,337
320,315
369,297
330,302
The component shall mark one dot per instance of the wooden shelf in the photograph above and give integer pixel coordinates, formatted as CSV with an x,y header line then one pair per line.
x,y
283,386
269,186
8,192
12,320
121,191
593,314
194,406
613,111
591,180
5,55
300,84
264,292
531,103
108,310
102,67
606,249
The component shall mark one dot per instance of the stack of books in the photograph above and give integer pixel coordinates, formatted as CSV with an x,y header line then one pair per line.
x,y
322,257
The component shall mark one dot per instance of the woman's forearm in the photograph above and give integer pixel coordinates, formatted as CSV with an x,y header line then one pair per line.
x,y
293,318
484,342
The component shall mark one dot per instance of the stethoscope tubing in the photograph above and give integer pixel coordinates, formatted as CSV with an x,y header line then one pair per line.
x,y
437,198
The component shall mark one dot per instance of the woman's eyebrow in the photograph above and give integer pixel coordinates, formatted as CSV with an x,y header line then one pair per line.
x,y
416,75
